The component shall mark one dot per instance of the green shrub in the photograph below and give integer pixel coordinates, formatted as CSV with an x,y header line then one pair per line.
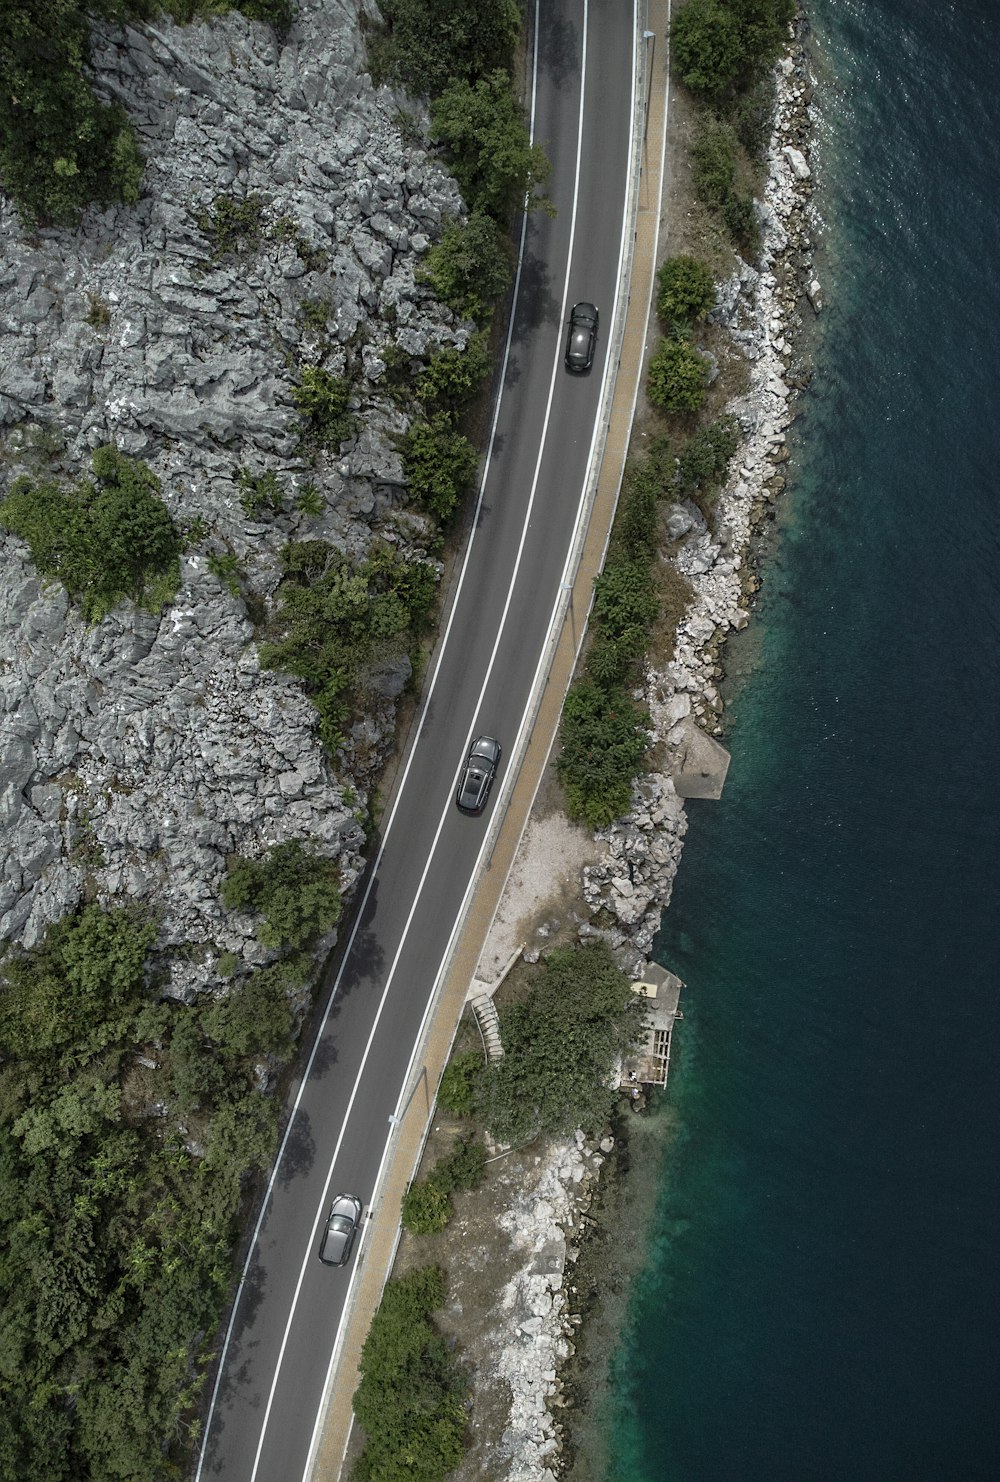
x,y
602,741
453,376
426,1207
296,891
465,1165
255,1016
60,147
720,47
260,492
233,224
459,1086
410,1401
677,377
496,165
439,465
561,1045
685,291
720,184
469,268
336,621
704,461
323,400
425,44
310,501
226,568
105,541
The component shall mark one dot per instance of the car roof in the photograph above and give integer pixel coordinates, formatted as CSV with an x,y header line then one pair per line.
x,y
584,311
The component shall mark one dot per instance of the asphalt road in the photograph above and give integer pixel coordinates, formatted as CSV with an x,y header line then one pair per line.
x,y
286,1319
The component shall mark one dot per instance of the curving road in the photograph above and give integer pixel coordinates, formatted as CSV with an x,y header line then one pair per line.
x,y
285,1323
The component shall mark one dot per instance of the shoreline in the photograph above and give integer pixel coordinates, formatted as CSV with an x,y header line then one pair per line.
x,y
627,870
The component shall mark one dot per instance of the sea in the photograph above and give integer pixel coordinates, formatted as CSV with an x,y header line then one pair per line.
x,y
820,1294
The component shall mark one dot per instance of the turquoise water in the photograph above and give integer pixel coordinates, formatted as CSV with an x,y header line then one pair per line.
x,y
822,1295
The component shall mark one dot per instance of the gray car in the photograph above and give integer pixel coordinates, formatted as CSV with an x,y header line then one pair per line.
x,y
341,1227
478,774
582,337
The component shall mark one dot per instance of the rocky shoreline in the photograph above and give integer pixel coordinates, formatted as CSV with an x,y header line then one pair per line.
x,y
763,312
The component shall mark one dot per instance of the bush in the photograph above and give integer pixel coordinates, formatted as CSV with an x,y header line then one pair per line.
x,y
410,1398
717,180
602,742
439,465
453,376
704,462
295,890
720,47
561,1044
105,541
492,158
323,400
685,291
470,267
427,44
677,377
459,1088
426,1207
336,622
60,147
260,492
233,224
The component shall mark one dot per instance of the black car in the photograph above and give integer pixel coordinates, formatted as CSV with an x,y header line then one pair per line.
x,y
341,1227
582,337
478,774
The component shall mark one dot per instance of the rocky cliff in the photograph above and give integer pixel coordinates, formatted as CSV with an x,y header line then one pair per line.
x,y
282,220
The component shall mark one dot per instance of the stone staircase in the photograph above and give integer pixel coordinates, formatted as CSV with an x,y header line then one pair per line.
x,y
486,1017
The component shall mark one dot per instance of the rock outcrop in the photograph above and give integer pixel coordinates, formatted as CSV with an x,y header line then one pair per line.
x,y
282,221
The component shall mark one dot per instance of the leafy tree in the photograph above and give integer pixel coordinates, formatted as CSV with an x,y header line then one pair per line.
x,y
256,1015
410,1398
470,267
493,160
426,1207
685,291
561,1044
295,890
336,621
454,376
439,464
426,44
88,970
105,541
676,377
602,743
720,46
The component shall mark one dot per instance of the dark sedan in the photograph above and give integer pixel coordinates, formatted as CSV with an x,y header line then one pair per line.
x,y
582,337
478,774
341,1227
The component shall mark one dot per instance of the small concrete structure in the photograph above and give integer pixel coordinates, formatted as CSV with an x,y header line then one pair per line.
x,y
700,763
649,1063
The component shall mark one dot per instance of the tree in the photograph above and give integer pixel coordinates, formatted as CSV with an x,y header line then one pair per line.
x,y
105,541
704,462
454,375
561,1044
493,160
685,291
439,464
409,1400
428,43
602,741
470,267
677,376
295,890
720,46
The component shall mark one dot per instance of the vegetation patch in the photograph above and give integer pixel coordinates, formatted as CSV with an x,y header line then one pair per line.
x,y
427,1205
470,267
483,133
336,621
323,400
128,1126
105,539
424,45
295,890
410,1401
677,377
439,464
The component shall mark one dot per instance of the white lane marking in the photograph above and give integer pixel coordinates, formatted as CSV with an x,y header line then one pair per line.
x,y
395,806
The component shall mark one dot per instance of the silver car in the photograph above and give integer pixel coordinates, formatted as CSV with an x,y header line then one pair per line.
x,y
341,1227
478,774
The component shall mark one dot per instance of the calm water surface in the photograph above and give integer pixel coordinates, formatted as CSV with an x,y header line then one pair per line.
x,y
822,1295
